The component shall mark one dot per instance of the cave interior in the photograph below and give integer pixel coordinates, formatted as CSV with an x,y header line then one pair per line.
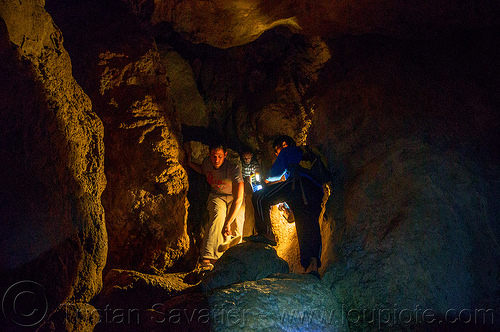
x,y
102,220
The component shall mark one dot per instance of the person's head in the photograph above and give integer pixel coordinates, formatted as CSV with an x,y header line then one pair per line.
x,y
282,142
246,155
218,153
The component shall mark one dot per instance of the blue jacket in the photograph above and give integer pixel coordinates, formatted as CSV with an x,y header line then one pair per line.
x,y
281,166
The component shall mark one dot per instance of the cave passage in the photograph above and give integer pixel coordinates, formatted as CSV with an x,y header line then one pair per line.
x,y
102,221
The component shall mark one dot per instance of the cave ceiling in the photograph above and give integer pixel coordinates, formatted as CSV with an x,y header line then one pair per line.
x,y
225,24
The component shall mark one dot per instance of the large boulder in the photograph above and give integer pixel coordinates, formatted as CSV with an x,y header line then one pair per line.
x,y
281,302
183,313
54,240
246,261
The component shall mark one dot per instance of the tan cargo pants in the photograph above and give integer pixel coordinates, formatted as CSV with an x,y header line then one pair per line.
x,y
218,206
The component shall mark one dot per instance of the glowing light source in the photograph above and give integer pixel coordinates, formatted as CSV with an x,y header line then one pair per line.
x,y
255,180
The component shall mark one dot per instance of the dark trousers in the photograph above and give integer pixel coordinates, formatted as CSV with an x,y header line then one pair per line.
x,y
304,198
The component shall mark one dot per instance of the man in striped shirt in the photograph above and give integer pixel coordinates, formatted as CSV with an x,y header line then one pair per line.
x,y
249,165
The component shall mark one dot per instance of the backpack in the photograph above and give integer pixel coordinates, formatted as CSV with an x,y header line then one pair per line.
x,y
312,165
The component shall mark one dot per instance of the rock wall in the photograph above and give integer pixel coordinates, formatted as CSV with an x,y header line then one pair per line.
x,y
187,100
409,131
226,24
416,223
54,241
119,66
256,90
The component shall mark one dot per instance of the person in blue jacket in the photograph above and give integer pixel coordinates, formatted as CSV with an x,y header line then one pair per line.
x,y
301,193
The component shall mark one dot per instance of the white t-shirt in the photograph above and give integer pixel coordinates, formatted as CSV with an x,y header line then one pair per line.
x,y
221,179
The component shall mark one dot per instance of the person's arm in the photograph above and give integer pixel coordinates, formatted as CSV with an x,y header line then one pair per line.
x,y
267,182
195,167
238,190
278,169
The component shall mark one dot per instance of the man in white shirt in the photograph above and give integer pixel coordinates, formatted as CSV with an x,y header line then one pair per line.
x,y
225,203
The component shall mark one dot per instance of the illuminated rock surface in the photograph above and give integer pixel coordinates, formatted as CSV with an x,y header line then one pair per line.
x,y
187,100
244,262
52,220
145,197
281,302
122,286
230,23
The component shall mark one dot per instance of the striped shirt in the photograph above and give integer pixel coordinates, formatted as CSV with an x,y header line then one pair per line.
x,y
251,168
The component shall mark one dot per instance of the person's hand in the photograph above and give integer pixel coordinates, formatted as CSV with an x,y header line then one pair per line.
x,y
226,230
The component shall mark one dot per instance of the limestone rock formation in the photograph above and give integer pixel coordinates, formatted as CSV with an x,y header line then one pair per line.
x,y
282,302
412,158
285,234
255,91
225,24
246,261
145,199
219,23
390,115
52,220
187,100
